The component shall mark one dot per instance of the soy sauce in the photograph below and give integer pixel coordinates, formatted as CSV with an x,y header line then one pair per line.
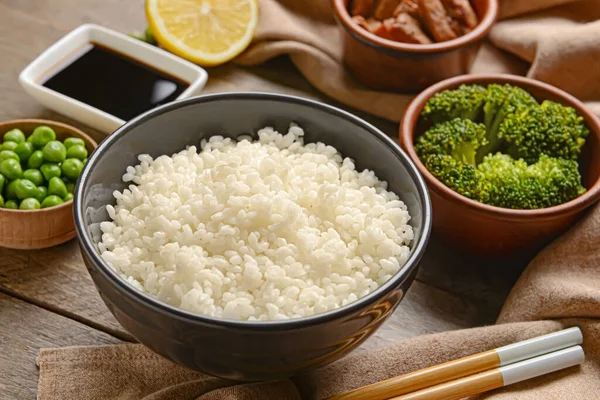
x,y
114,83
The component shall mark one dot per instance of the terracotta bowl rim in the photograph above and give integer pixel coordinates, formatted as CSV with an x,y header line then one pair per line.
x,y
477,34
75,131
413,112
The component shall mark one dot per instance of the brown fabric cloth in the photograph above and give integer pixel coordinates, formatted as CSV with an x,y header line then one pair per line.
x,y
560,43
560,288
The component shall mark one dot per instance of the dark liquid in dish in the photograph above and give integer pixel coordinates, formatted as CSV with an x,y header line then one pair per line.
x,y
114,83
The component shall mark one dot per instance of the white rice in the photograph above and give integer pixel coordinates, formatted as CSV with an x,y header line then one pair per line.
x,y
255,230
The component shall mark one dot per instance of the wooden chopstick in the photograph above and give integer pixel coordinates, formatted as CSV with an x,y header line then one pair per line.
x,y
466,366
499,377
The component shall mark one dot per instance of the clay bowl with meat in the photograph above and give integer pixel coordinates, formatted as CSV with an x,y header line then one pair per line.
x,y
408,45
483,229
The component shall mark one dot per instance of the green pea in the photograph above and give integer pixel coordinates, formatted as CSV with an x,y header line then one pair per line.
x,y
29,204
11,204
54,151
1,201
35,160
42,135
70,187
11,169
68,197
50,170
42,193
51,201
73,141
77,151
149,37
24,151
57,186
14,135
34,175
85,161
72,168
3,181
25,189
9,146
10,193
30,139
6,154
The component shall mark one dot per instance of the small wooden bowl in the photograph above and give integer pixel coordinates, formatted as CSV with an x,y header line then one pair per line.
x,y
38,229
488,230
395,66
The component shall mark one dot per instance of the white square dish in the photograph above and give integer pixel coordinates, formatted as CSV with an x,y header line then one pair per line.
x,y
64,51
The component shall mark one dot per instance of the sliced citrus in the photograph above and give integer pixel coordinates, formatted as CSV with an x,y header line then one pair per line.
x,y
206,32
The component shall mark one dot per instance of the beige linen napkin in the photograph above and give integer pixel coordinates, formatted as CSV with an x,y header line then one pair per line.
x,y
558,41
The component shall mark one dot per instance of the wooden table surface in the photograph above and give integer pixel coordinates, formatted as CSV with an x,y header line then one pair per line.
x,y
47,298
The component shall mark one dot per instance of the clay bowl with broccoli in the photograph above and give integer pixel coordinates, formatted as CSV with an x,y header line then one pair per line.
x,y
510,162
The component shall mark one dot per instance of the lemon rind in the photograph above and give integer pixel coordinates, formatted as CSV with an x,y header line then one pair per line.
x,y
177,47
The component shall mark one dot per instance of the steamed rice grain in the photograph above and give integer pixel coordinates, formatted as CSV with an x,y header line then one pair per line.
x,y
255,230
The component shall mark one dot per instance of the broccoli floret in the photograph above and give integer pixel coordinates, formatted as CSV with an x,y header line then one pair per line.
x,y
538,146
560,178
515,184
448,152
464,102
501,101
504,175
458,138
458,176
551,129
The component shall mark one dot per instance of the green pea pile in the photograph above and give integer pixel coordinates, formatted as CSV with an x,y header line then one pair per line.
x,y
40,171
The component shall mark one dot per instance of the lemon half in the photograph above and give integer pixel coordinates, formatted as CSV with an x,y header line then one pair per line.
x,y
206,32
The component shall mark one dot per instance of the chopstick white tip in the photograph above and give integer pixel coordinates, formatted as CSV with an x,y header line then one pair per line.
x,y
542,365
540,345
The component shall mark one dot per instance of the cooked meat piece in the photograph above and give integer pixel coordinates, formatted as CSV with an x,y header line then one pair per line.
x,y
462,11
456,26
407,29
382,30
409,7
364,8
374,24
385,9
371,25
435,20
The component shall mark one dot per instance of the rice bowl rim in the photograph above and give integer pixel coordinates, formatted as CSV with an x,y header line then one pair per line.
x,y
417,247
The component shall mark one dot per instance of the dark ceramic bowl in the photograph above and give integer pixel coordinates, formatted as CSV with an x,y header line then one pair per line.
x,y
236,349
488,230
395,66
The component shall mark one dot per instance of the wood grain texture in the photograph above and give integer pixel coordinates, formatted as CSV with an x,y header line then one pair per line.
x,y
24,330
56,279
486,281
460,388
424,378
39,229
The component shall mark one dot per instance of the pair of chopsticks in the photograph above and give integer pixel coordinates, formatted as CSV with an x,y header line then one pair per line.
x,y
481,372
